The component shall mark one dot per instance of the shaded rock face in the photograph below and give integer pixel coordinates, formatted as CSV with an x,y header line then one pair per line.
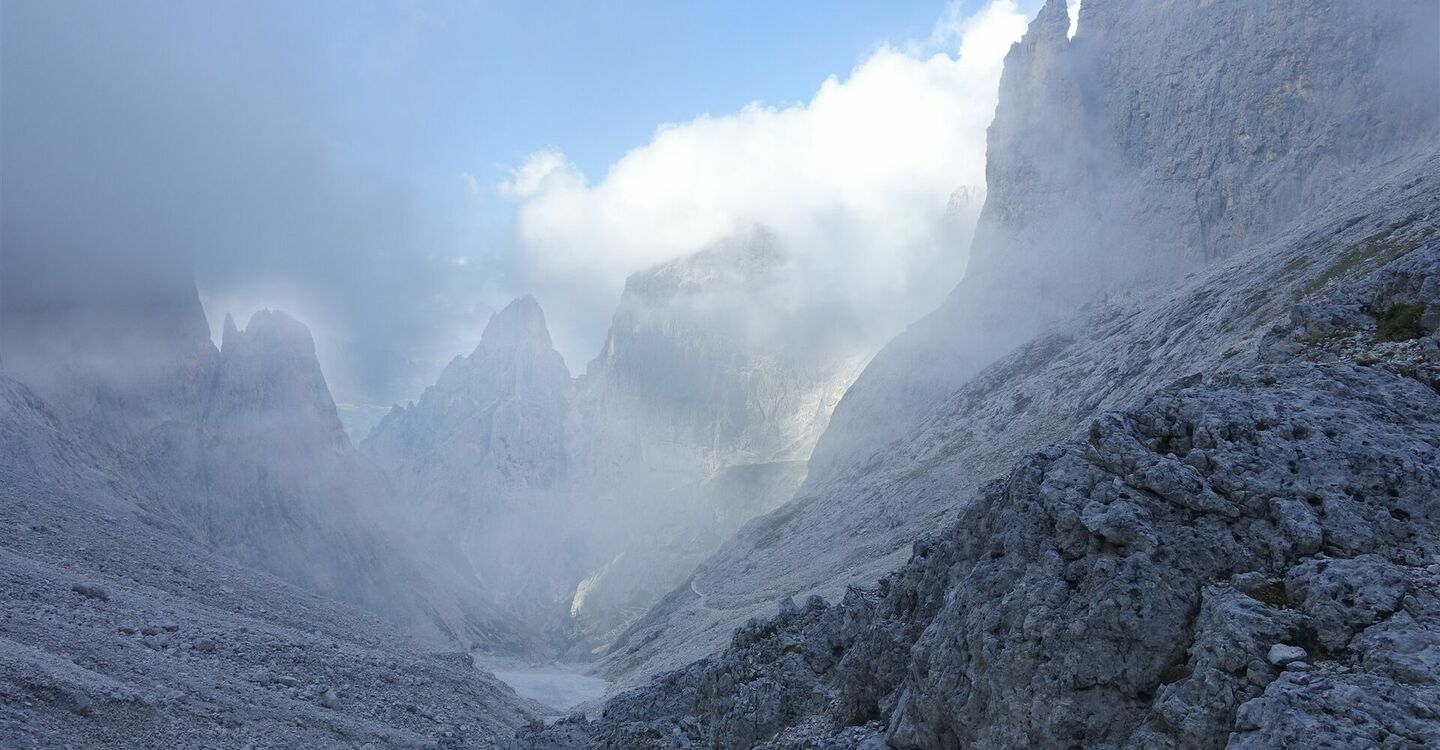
x,y
1090,199
1126,590
114,363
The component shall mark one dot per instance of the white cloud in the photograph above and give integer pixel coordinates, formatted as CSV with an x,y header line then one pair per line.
x,y
854,183
545,170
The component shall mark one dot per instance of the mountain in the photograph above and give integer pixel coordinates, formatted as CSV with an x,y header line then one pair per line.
x,y
481,461
582,502
697,372
116,627
1103,265
491,427
1240,560
1142,150
1160,473
700,412
239,449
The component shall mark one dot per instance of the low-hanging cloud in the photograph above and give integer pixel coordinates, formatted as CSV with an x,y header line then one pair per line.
x,y
870,187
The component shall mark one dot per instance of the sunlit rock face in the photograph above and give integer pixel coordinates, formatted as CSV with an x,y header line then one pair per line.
x,y
1163,141
699,372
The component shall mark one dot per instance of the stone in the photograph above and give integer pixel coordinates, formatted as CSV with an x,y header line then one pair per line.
x,y
1281,654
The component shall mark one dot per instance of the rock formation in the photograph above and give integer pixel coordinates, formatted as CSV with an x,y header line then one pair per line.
x,y
117,630
583,503
1245,558
1101,267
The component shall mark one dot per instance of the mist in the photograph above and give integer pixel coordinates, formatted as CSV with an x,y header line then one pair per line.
x,y
214,271
729,374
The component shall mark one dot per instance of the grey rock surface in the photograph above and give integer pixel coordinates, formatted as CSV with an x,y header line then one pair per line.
x,y
1126,590
187,648
1015,360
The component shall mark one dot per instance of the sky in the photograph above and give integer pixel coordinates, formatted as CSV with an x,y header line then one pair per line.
x,y
392,172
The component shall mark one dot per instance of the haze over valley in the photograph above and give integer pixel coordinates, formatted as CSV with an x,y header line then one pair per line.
x,y
992,374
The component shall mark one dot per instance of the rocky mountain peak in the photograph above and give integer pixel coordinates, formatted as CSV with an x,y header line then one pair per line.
x,y
268,330
270,368
230,330
520,324
1051,25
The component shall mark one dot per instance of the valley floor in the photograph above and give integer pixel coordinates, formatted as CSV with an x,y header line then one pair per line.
x,y
562,688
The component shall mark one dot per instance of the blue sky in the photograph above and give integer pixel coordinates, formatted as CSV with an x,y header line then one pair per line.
x,y
427,92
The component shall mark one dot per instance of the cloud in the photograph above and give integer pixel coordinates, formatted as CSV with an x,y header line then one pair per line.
x,y
855,184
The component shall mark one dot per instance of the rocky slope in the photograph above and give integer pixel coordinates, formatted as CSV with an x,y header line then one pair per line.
x,y
120,632
1248,558
1336,193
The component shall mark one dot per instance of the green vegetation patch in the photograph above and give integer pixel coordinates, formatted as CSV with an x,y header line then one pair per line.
x,y
1401,322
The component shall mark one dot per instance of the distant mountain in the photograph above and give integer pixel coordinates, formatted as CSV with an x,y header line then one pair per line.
x,y
239,448
586,501
480,464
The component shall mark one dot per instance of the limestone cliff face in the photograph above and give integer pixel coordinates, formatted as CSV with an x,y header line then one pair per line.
x,y
267,474
1163,136
698,414
1105,158
115,364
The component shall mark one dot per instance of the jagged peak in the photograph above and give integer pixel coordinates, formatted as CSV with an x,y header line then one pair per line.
x,y
521,323
268,329
230,331
1052,23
